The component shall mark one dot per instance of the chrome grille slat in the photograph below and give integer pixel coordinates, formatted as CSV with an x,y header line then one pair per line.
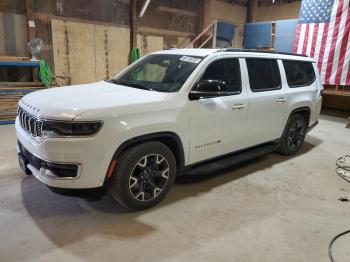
x,y
30,123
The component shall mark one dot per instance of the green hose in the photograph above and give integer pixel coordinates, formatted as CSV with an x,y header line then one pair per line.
x,y
45,73
135,54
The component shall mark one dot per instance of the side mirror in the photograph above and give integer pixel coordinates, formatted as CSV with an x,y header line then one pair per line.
x,y
209,89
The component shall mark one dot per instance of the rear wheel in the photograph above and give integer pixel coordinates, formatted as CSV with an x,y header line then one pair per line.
x,y
293,136
143,176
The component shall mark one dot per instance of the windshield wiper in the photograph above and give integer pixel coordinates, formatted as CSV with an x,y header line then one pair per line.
x,y
130,84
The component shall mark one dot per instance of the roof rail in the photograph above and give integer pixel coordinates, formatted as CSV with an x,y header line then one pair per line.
x,y
257,51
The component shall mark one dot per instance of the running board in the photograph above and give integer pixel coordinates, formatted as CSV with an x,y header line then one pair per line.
x,y
230,160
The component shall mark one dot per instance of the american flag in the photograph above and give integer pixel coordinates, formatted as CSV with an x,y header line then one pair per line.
x,y
323,33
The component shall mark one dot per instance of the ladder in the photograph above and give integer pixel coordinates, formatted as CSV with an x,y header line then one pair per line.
x,y
209,32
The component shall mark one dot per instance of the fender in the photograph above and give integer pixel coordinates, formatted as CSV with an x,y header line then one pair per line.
x,y
299,109
170,139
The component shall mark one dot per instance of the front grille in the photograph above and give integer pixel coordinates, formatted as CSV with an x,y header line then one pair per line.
x,y
30,124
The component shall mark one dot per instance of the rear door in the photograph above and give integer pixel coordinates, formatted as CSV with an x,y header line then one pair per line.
x,y
267,100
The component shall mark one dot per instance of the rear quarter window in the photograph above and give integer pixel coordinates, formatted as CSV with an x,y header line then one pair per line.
x,y
299,73
263,74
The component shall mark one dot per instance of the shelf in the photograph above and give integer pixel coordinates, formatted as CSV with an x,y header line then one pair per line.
x,y
337,93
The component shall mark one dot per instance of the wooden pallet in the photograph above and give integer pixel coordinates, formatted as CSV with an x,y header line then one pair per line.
x,y
10,94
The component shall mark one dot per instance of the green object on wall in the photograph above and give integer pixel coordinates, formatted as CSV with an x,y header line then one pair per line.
x,y
45,73
135,54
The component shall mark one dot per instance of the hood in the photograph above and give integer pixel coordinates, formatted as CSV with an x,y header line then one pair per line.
x,y
69,102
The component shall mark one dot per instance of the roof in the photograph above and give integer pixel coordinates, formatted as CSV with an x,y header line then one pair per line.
x,y
189,51
202,52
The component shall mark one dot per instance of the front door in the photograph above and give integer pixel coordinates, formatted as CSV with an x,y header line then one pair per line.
x,y
217,124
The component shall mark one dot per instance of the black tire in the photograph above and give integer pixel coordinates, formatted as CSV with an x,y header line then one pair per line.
x,y
293,136
138,169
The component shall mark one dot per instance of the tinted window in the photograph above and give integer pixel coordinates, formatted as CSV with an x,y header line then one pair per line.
x,y
263,74
299,73
226,70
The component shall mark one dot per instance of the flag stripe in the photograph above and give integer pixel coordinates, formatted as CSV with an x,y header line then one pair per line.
x,y
297,36
309,40
346,68
333,42
322,47
319,39
314,38
306,38
301,38
343,48
328,42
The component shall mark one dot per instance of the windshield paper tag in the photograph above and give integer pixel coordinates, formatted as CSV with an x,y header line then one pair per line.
x,y
190,59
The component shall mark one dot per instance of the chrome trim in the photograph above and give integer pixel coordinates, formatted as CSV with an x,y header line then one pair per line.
x,y
30,123
22,114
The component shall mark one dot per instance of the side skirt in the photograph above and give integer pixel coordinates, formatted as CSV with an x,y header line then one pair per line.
x,y
231,159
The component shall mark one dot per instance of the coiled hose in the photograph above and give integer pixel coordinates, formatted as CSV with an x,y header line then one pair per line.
x,y
45,73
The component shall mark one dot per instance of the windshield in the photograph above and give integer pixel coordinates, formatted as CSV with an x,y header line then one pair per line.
x,y
159,72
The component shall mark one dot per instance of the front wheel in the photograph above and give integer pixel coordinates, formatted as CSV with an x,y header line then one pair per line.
x,y
293,135
143,176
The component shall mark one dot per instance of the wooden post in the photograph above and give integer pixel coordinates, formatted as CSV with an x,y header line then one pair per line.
x,y
133,24
215,28
251,10
31,29
30,16
200,18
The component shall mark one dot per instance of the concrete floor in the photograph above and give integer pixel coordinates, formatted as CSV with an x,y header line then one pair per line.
x,y
274,208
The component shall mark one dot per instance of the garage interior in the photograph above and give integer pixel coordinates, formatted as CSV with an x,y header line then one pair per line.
x,y
272,208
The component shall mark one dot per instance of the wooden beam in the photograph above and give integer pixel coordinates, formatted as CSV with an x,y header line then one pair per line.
x,y
79,20
30,15
200,17
14,58
133,24
25,84
176,11
335,92
251,10
161,32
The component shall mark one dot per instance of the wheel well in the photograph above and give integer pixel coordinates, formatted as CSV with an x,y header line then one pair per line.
x,y
304,112
171,140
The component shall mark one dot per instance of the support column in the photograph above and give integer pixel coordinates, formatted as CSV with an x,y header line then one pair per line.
x,y
133,24
251,10
30,16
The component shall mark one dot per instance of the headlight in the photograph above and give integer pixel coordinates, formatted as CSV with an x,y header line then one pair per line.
x,y
56,128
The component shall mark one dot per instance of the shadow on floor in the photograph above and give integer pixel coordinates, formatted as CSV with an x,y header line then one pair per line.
x,y
68,219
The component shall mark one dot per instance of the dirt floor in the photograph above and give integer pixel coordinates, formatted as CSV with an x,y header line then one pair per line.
x,y
273,208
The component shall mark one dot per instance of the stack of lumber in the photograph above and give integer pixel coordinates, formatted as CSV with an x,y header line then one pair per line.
x,y
10,93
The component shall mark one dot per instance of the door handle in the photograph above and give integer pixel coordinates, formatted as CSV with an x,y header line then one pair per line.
x,y
238,106
281,99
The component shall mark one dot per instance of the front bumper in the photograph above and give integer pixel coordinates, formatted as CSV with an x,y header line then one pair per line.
x,y
90,156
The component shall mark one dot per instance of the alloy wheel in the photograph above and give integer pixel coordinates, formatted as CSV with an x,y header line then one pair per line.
x,y
296,135
149,177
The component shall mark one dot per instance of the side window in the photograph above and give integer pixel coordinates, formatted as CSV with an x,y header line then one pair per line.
x,y
299,73
226,70
263,74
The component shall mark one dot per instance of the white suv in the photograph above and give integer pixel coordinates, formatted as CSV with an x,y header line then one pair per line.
x,y
172,112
